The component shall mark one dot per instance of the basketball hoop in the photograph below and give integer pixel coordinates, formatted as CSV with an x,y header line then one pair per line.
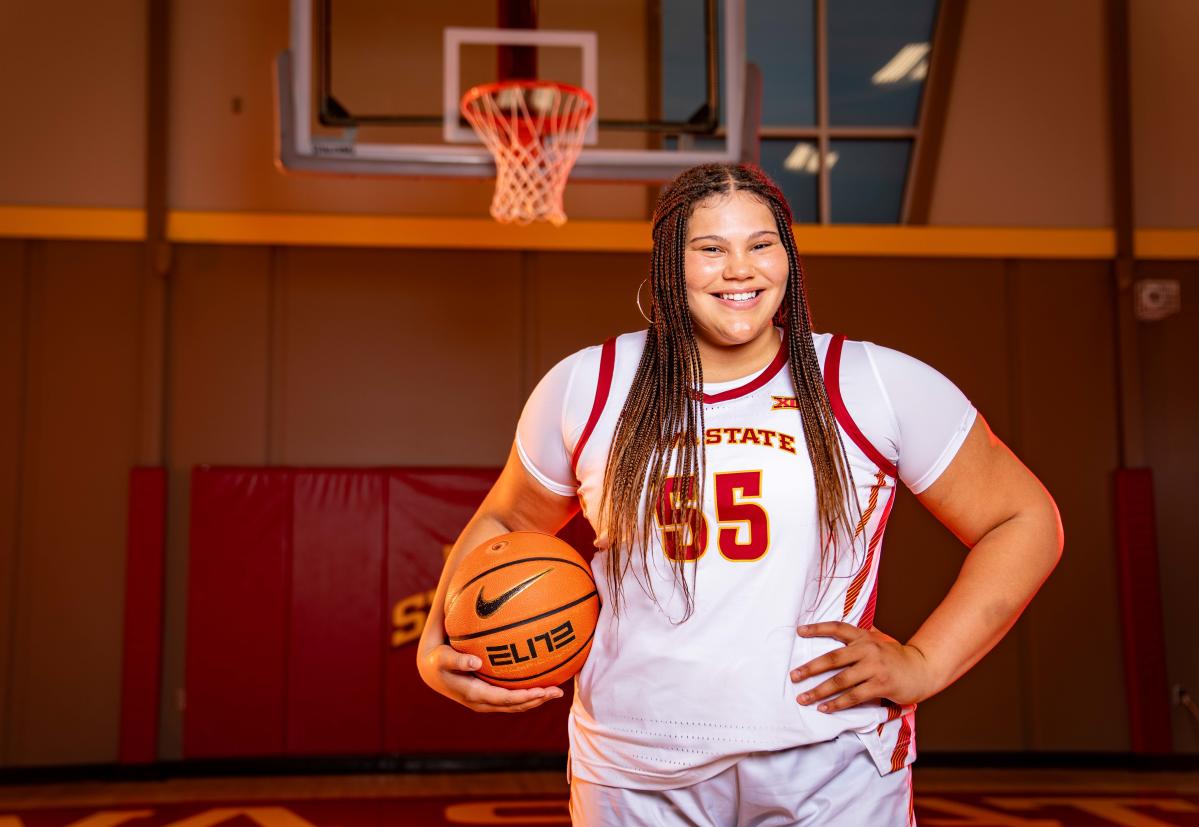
x,y
534,130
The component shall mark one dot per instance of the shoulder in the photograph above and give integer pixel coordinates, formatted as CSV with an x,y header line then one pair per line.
x,y
899,374
616,356
859,399
907,408
864,358
625,345
886,358
597,370
842,360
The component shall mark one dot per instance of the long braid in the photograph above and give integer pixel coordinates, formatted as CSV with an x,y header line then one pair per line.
x,y
663,415
830,467
658,414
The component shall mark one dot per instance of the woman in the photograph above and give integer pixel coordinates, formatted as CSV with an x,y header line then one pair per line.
x,y
749,685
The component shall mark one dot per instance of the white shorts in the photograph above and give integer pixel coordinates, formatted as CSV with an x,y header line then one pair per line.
x,y
831,784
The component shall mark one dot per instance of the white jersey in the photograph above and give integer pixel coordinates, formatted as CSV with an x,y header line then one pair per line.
x,y
663,704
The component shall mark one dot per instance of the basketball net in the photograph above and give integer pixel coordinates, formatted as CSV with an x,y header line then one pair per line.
x,y
534,130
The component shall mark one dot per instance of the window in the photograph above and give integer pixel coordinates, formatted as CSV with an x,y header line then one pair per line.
x,y
842,82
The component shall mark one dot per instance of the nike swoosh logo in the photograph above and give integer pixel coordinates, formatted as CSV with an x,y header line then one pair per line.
x,y
486,608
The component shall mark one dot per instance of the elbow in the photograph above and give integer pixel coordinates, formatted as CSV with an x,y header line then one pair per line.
x,y
1052,531
1039,524
1060,535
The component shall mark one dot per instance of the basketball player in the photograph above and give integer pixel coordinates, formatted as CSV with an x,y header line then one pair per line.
x,y
739,471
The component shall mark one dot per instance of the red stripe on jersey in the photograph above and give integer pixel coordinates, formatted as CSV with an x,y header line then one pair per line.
x,y
851,596
880,479
868,612
832,385
602,388
855,588
761,379
900,755
894,710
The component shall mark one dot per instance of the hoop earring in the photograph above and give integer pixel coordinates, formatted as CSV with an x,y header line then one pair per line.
x,y
639,310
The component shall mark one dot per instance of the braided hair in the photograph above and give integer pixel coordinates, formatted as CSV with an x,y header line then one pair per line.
x,y
657,440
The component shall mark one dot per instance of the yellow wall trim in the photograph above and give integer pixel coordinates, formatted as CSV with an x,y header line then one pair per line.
x,y
403,231
341,230
956,242
1167,244
88,223
624,236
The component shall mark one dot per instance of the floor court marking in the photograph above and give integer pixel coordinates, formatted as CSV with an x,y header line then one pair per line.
x,y
950,809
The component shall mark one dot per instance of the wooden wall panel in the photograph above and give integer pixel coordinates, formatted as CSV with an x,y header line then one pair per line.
x,y
14,266
1064,363
81,440
1169,354
220,329
1026,140
75,126
219,392
398,357
579,301
948,312
1165,123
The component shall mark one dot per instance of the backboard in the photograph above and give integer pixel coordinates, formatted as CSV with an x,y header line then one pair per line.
x,y
371,87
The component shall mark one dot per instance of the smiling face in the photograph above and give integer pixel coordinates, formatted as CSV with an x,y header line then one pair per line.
x,y
736,272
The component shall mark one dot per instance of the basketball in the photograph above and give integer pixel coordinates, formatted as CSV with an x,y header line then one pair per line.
x,y
526,605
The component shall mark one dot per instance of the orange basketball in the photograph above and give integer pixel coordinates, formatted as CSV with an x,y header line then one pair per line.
x,y
526,605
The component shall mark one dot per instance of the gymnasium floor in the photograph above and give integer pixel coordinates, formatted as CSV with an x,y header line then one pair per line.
x,y
974,798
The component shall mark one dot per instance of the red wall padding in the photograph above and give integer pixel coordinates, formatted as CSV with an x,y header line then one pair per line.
x,y
427,509
1145,677
334,661
142,650
237,613
308,589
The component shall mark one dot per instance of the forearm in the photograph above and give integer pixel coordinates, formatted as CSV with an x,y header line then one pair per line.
x,y
482,527
997,580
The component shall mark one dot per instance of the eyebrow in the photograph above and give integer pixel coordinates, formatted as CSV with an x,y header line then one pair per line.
x,y
722,238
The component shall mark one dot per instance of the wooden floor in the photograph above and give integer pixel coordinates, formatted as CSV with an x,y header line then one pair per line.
x,y
1007,798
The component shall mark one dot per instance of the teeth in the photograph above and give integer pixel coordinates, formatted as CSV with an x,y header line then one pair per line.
x,y
739,297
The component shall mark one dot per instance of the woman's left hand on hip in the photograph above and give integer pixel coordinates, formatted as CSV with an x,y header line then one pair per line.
x,y
873,665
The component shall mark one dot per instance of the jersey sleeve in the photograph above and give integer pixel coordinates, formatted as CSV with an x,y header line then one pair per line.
x,y
543,434
930,415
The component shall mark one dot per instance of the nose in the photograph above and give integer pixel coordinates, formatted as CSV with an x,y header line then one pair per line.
x,y
738,266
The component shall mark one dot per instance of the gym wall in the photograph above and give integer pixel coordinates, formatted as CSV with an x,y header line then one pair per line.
x,y
303,355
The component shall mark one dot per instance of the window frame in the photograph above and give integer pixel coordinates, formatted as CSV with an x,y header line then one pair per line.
x,y
823,134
